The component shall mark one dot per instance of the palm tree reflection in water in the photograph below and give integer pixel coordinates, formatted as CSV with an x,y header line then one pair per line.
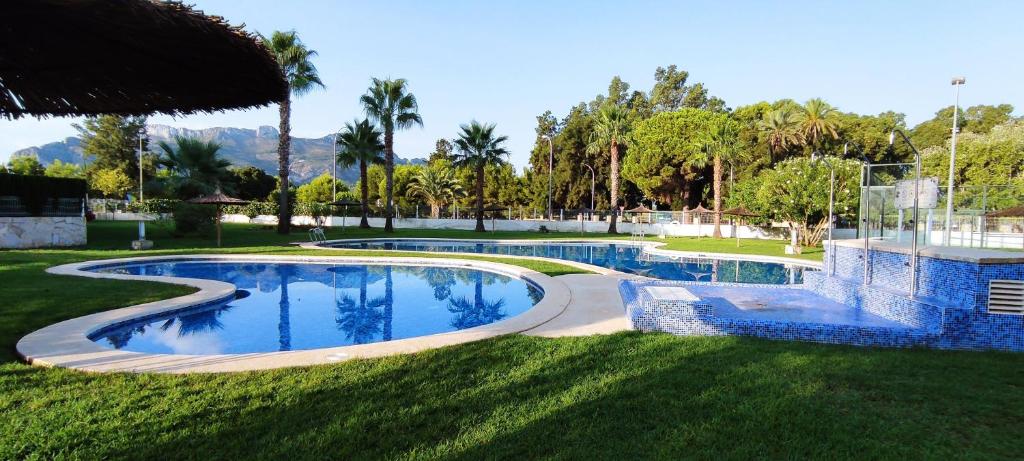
x,y
360,321
284,328
478,311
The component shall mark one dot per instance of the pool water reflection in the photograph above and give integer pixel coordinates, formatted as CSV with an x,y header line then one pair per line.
x,y
621,257
294,306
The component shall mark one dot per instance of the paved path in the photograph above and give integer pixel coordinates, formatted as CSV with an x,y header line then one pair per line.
x,y
596,308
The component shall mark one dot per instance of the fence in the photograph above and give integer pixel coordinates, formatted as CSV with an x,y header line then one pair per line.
x,y
969,227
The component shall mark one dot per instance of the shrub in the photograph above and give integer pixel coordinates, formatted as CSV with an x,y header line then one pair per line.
x,y
191,219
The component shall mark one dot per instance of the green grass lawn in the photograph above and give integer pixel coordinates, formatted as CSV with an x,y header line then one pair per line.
x,y
627,395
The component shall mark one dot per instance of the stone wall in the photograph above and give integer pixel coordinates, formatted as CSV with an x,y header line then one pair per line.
x,y
38,232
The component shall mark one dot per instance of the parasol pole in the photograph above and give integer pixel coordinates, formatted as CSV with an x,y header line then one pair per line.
x,y
218,225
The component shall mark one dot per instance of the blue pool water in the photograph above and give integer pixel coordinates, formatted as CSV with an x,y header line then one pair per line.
x,y
623,258
293,306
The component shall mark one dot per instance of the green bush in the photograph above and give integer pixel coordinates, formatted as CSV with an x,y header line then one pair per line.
x,y
154,205
191,219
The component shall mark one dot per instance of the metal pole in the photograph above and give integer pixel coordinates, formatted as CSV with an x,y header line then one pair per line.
x,y
551,158
334,171
142,223
917,191
952,162
867,222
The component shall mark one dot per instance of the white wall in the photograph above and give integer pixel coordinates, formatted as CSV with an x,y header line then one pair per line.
x,y
670,230
39,232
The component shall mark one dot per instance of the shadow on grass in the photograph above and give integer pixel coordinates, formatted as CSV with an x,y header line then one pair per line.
x,y
628,395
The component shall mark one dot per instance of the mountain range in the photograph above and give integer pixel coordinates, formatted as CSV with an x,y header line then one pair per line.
x,y
243,147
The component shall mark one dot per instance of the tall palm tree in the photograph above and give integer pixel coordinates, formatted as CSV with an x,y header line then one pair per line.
x,y
300,73
724,146
389,103
781,129
478,147
436,185
197,167
359,142
611,129
817,120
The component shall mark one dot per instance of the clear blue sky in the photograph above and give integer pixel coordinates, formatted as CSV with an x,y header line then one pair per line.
x,y
507,62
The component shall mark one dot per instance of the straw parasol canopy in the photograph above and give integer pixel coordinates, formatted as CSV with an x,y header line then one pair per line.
x,y
219,199
128,57
700,209
640,209
1013,212
739,212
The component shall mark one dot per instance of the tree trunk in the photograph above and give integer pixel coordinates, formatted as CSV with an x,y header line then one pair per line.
x,y
612,228
389,173
364,190
435,210
480,198
284,141
718,198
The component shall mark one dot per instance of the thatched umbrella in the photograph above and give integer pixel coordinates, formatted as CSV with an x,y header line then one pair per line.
x,y
492,210
345,203
218,198
128,57
739,212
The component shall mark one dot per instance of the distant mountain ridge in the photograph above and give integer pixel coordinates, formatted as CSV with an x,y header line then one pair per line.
x,y
243,147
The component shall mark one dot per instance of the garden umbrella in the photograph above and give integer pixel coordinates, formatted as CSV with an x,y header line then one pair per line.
x,y
493,209
217,198
740,212
345,203
128,57
641,209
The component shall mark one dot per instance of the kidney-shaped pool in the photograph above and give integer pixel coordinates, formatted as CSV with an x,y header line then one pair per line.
x,y
295,306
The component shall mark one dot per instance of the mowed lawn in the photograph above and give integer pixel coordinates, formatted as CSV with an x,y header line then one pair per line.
x,y
624,396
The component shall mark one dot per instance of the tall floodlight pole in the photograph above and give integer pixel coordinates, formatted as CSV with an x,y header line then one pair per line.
x,y
593,183
142,223
917,196
334,170
551,158
957,81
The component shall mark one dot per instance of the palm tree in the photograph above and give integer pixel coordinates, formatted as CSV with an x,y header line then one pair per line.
x,y
723,143
389,103
612,129
300,73
478,147
437,185
196,164
781,129
359,142
817,120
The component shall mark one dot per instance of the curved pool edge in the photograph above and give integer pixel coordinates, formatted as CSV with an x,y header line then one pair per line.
x,y
653,247
66,344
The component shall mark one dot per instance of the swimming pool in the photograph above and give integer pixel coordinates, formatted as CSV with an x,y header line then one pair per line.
x,y
627,258
299,306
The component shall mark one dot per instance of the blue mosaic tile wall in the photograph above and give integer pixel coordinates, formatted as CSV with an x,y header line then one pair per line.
x,y
950,311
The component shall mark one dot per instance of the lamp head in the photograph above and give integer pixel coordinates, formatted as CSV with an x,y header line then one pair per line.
x,y
892,138
958,81
545,137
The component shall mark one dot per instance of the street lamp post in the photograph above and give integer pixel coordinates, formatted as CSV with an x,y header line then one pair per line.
x,y
593,183
142,223
334,170
551,157
956,82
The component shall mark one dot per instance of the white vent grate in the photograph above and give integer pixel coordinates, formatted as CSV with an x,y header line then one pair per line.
x,y
1006,297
